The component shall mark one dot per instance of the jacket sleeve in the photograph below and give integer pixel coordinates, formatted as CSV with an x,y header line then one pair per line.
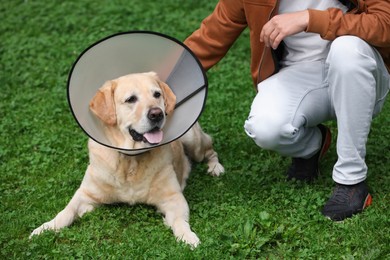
x,y
218,32
370,21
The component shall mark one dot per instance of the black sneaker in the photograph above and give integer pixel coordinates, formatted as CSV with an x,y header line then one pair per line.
x,y
307,169
346,201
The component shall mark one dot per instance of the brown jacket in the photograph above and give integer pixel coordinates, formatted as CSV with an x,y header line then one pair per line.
x,y
367,19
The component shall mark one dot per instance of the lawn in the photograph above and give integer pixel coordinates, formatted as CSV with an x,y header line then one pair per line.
x,y
250,212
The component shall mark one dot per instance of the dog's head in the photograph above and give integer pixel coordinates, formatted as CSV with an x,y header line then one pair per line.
x,y
135,104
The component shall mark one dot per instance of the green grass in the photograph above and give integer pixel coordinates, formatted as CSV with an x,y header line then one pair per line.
x,y
249,212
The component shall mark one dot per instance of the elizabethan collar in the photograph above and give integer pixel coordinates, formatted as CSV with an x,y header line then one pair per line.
x,y
135,52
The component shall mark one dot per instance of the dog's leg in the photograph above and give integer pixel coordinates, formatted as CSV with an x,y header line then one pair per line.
x,y
199,147
176,215
77,207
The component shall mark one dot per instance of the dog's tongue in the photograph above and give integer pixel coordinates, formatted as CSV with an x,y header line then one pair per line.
x,y
154,137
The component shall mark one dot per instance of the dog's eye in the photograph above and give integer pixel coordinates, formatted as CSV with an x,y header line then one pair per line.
x,y
157,94
131,99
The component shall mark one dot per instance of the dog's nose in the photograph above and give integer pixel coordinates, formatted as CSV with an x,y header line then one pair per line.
x,y
155,114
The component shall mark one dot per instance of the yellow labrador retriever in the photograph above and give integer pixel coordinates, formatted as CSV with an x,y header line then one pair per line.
x,y
133,109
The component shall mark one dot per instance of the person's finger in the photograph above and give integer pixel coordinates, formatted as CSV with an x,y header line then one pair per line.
x,y
272,37
265,32
266,37
279,38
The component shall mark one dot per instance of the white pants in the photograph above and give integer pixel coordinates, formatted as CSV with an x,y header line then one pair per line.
x,y
350,86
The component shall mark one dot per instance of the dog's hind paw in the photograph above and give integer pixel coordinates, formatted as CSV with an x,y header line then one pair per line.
x,y
191,239
216,169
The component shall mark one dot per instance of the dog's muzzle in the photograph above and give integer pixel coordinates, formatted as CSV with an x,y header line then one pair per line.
x,y
155,135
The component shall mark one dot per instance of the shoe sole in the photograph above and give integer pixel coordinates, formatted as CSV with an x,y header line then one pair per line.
x,y
367,201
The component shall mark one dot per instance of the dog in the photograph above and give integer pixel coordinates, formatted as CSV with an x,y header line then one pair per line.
x,y
133,110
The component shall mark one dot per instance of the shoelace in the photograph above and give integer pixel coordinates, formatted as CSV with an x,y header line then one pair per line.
x,y
341,194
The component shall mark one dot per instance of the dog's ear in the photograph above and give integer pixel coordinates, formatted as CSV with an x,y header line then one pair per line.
x,y
103,105
169,97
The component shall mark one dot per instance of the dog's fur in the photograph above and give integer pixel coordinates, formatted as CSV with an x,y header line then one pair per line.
x,y
138,103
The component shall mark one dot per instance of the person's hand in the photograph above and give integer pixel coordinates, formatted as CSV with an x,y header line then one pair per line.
x,y
283,25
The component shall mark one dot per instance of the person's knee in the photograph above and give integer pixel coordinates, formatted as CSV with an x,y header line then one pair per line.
x,y
348,54
265,133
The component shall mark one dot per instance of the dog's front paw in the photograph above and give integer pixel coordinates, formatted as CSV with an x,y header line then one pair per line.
x,y
215,169
191,239
39,230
